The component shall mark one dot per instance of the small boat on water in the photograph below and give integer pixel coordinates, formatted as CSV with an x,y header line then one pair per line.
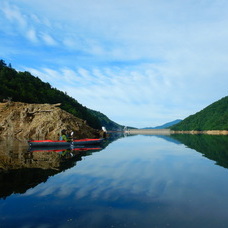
x,y
77,142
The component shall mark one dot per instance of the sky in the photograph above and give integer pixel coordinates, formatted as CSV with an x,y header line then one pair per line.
x,y
141,63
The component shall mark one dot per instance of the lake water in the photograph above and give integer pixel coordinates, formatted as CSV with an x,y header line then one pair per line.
x,y
135,181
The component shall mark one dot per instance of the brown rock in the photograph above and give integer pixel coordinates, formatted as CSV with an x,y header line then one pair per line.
x,y
40,121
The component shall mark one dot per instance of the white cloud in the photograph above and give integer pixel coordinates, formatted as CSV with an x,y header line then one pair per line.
x,y
69,42
32,36
13,14
48,39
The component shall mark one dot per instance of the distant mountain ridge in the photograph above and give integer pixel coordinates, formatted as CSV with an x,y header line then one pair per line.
x,y
166,125
213,117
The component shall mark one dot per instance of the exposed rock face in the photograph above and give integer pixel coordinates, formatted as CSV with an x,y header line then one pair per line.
x,y
40,121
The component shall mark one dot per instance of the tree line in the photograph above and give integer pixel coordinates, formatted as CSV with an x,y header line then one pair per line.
x,y
24,87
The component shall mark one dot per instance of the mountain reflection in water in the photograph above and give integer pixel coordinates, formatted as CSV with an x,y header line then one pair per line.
x,y
213,147
22,168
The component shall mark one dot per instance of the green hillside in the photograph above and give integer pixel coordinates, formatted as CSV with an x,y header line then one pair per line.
x,y
24,87
213,117
105,121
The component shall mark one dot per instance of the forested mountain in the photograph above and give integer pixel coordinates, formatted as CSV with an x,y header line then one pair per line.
x,y
166,125
213,117
24,87
105,121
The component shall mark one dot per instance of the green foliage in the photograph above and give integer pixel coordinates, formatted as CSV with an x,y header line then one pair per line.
x,y
109,124
213,117
24,87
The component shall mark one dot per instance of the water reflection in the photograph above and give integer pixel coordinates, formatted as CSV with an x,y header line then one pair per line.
x,y
22,168
138,181
166,137
214,147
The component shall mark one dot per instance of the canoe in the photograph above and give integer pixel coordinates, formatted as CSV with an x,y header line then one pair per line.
x,y
47,143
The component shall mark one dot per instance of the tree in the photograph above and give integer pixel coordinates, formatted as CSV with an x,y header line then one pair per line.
x,y
2,64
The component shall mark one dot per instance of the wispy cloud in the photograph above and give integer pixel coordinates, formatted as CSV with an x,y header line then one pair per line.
x,y
32,36
13,14
48,39
27,25
144,63
137,93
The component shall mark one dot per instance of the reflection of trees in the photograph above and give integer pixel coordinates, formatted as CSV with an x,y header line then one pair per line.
x,y
214,147
22,169
19,180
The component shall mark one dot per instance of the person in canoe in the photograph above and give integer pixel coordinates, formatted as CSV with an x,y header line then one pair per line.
x,y
64,136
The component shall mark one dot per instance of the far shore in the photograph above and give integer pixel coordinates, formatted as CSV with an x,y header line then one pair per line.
x,y
169,132
209,132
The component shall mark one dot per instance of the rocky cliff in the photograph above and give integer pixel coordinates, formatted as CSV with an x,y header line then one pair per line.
x,y
40,121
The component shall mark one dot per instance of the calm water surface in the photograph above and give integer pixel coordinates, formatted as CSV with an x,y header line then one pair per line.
x,y
136,181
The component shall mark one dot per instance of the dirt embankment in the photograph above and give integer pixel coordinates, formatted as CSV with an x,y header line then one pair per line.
x,y
40,121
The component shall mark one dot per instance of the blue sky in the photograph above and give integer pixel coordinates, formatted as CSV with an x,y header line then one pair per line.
x,y
141,63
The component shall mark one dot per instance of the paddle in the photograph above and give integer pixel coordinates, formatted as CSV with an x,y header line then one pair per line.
x,y
72,138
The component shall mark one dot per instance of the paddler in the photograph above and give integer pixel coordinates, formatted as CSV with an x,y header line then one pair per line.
x,y
64,135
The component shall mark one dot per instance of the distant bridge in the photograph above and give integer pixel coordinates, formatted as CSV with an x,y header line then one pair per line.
x,y
148,131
